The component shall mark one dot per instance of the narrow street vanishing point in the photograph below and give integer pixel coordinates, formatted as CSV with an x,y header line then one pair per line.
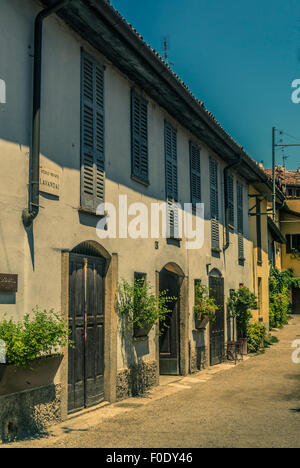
x,y
253,404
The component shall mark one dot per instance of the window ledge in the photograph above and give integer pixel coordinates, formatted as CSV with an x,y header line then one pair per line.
x,y
140,181
88,211
214,249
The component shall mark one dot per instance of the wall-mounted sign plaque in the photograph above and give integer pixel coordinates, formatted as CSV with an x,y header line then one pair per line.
x,y
49,181
8,283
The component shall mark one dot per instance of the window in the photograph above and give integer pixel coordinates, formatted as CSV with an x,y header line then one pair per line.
x,y
258,231
229,199
139,138
292,242
140,276
240,224
214,205
259,294
171,178
92,133
195,174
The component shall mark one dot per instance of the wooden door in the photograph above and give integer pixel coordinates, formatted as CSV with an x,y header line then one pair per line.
x,y
296,301
86,322
217,343
169,338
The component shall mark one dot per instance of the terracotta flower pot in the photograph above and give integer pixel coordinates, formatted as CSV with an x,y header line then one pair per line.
x,y
41,373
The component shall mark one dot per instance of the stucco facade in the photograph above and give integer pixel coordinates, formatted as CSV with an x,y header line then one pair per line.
x,y
290,225
259,255
40,255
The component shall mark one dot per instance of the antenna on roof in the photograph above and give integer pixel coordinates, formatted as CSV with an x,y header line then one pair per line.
x,y
165,42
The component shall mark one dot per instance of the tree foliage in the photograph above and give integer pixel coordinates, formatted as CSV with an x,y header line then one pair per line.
x,y
280,284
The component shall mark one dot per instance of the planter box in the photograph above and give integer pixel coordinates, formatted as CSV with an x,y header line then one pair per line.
x,y
201,324
41,373
141,332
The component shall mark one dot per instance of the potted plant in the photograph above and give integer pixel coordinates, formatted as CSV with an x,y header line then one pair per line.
x,y
30,354
140,308
239,304
205,307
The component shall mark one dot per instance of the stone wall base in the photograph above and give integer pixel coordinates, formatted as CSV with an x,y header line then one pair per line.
x,y
29,413
198,359
137,379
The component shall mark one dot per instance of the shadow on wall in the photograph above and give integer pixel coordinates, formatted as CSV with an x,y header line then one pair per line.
x,y
29,414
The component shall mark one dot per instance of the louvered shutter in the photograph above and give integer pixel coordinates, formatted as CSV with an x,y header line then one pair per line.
x,y
139,137
171,177
258,231
230,201
240,222
195,174
288,243
214,204
92,133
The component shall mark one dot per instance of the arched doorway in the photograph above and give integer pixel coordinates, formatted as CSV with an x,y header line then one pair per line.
x,y
217,328
87,270
170,280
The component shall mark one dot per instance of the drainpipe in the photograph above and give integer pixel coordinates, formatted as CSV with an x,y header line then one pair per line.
x,y
30,213
226,202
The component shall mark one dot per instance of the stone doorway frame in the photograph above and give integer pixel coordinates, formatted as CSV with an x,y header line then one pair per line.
x,y
183,317
110,324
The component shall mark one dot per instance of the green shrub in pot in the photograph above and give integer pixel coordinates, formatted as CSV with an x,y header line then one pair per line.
x,y
40,334
141,308
205,307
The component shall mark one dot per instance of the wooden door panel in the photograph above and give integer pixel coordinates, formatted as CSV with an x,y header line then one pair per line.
x,y
95,332
86,321
296,301
217,328
169,338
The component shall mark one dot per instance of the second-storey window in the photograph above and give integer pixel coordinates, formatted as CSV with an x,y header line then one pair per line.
x,y
258,231
139,138
240,224
214,204
195,174
292,242
92,133
230,201
171,178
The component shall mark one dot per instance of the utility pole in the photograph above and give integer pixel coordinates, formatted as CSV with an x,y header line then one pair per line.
x,y
274,146
273,173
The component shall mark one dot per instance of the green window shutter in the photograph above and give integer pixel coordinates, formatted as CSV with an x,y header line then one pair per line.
x,y
213,176
258,231
288,243
195,174
240,211
230,199
240,223
139,137
215,234
214,204
171,173
92,133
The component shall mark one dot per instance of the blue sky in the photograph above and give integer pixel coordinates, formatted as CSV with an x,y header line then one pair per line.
x,y
239,57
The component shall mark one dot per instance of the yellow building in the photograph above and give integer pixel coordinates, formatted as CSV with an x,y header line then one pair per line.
x,y
288,221
259,263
